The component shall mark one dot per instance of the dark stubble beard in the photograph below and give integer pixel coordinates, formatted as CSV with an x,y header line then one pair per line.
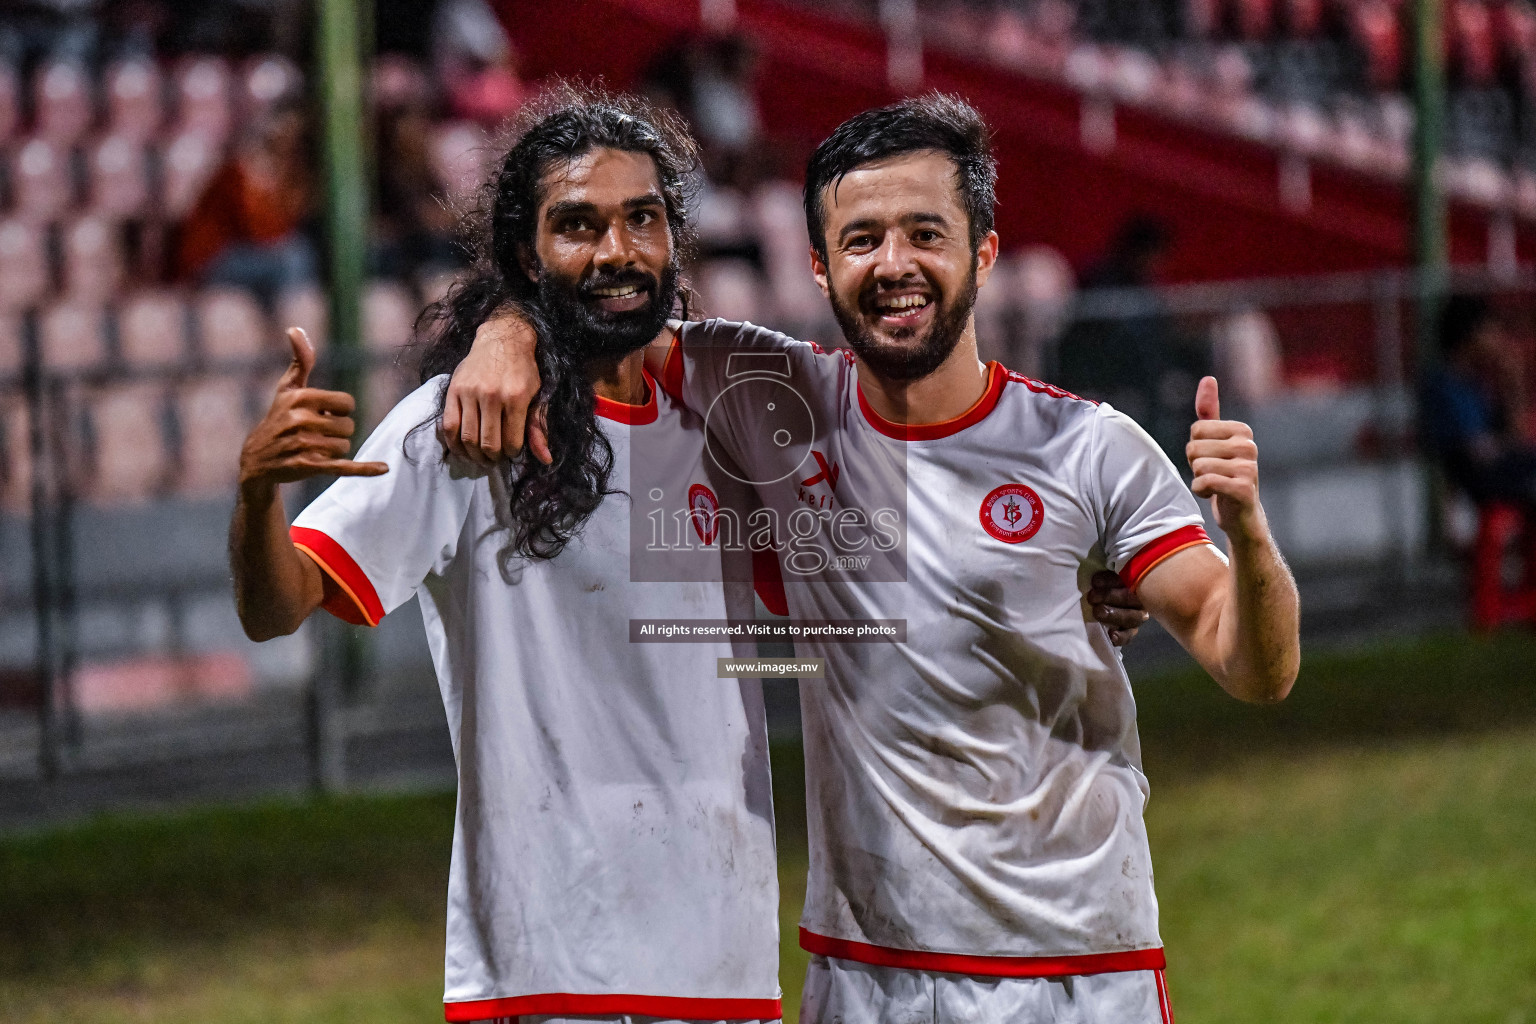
x,y
588,333
909,362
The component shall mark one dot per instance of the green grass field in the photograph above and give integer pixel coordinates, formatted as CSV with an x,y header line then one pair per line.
x,y
1362,852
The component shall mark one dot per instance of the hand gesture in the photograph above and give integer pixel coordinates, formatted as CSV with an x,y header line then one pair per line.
x,y
1225,462
490,402
306,432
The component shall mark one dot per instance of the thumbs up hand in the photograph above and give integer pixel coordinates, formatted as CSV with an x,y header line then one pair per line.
x,y
306,431
1225,462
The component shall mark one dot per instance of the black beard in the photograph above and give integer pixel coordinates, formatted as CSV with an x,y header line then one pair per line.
x,y
589,333
915,362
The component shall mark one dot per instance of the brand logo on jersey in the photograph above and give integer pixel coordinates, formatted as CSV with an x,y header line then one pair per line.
x,y
1012,513
828,473
703,510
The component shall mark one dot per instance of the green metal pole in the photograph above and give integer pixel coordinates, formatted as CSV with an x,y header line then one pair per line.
x,y
343,30
1429,232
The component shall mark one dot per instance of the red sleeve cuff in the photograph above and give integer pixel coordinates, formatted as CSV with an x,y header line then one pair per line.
x,y
353,598
1157,551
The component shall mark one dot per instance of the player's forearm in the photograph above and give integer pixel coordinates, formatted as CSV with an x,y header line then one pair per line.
x,y
1259,633
276,585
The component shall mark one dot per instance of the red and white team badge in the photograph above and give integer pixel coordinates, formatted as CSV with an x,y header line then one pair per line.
x,y
703,509
1012,513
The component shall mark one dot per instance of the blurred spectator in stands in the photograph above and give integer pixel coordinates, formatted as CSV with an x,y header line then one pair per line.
x,y
413,229
476,62
1136,359
712,81
250,227
1474,405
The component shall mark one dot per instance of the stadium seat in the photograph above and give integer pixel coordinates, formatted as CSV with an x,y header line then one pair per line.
x,y
389,315
1471,41
73,336
1514,28
306,308
93,259
1044,285
1246,349
189,161
135,99
62,103
460,155
118,171
24,269
266,79
202,88
397,81
41,180
1203,18
231,326
1376,28
128,460
152,329
1494,602
214,416
779,220
733,290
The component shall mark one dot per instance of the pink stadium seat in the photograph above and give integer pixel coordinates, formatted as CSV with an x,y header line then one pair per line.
x,y
152,329
41,180
1472,43
306,308
389,315
119,177
1514,26
72,336
732,290
779,218
398,81
1376,27
15,454
459,158
214,419
202,88
266,79
62,105
93,259
189,161
24,274
10,102
231,325
129,461
135,99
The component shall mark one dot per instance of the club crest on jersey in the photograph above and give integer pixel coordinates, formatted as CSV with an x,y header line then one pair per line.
x,y
1012,513
703,510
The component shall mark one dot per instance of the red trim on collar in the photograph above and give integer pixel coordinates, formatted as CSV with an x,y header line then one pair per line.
x,y
996,378
634,415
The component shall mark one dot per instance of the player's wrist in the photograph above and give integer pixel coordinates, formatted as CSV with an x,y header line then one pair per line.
x,y
257,490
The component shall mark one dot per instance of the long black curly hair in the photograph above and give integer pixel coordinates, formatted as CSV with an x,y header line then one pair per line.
x,y
549,504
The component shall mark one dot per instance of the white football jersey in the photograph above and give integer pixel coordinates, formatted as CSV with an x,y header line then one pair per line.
x,y
613,847
975,791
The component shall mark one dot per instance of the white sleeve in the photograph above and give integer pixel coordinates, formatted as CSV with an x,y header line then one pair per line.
x,y
728,373
379,537
1148,511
